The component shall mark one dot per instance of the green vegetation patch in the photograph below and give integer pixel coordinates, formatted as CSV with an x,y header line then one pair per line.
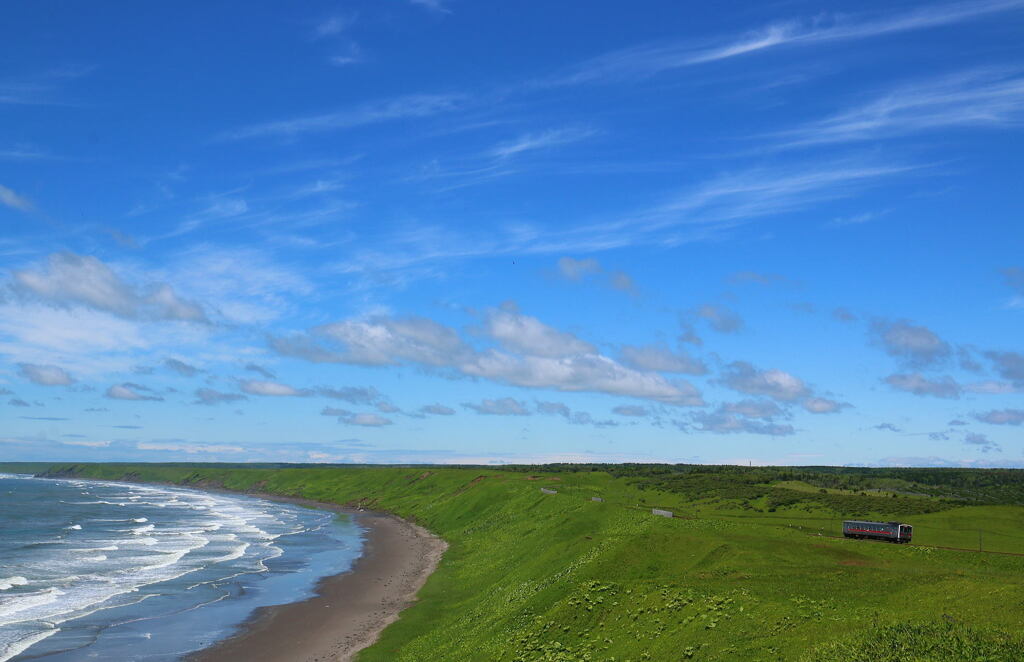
x,y
935,642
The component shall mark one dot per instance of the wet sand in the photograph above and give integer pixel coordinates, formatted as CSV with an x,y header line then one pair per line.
x,y
351,609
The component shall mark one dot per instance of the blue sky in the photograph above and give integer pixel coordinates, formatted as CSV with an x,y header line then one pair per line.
x,y
457,231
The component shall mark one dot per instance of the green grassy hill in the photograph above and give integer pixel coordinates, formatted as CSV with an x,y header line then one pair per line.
x,y
742,575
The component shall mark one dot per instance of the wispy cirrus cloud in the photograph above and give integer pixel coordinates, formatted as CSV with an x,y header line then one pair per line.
x,y
15,201
979,98
385,110
654,58
531,142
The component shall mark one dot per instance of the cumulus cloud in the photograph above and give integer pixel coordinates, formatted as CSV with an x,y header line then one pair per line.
x,y
918,384
528,335
1009,365
720,318
366,420
500,407
1001,416
659,358
745,378
71,279
593,373
392,341
182,368
723,422
260,370
917,346
753,408
572,417
823,405
357,395
554,409
208,396
18,402
981,441
583,418
993,387
437,410
388,341
129,391
45,375
890,427
631,410
256,387
352,418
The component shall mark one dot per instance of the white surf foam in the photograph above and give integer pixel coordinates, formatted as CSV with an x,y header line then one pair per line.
x,y
11,582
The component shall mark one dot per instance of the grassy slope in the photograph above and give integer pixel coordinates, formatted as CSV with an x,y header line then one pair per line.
x,y
530,576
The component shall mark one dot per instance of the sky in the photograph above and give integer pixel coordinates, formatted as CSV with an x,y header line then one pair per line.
x,y
457,231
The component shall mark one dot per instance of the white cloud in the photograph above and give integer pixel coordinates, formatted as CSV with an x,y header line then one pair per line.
x,y
1002,417
45,375
753,409
993,387
528,335
333,26
651,59
499,407
411,106
574,269
594,373
274,389
87,444
745,378
723,422
84,280
15,201
208,396
130,391
390,341
188,448
432,5
983,442
437,410
918,346
367,420
659,358
182,368
918,384
823,405
720,318
980,98
631,410
540,141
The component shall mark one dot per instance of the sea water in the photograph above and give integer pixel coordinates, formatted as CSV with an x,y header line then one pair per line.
x,y
117,571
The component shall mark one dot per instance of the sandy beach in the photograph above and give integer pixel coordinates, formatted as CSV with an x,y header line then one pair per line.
x,y
351,609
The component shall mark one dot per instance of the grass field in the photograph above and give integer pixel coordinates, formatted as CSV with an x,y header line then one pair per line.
x,y
744,576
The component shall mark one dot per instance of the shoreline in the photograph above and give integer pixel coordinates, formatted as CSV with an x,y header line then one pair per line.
x,y
349,610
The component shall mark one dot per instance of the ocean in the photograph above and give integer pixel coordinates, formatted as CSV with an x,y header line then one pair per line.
x,y
117,571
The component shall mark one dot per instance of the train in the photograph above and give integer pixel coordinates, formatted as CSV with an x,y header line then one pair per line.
x,y
896,532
